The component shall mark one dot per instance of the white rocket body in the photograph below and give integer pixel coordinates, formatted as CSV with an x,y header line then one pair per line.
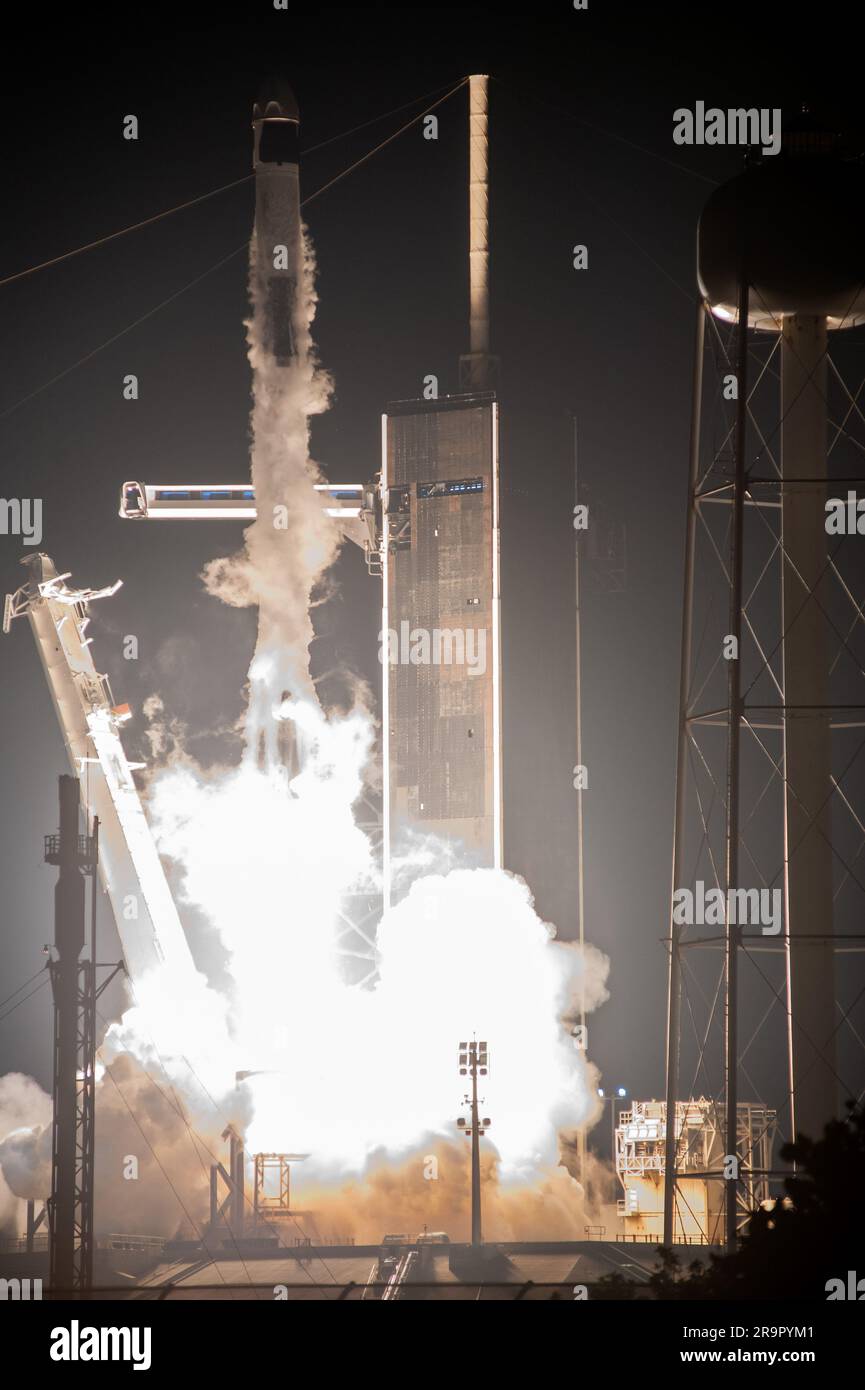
x,y
278,241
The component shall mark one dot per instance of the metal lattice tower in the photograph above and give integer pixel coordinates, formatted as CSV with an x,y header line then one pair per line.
x,y
70,1207
770,811
73,985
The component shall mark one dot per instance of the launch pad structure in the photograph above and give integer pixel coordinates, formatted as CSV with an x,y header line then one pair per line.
x,y
699,1213
429,526
771,716
428,522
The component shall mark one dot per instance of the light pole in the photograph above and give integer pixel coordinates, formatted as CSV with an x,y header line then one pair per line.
x,y
474,1062
620,1093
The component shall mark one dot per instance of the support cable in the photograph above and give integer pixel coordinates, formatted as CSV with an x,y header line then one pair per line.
x,y
218,264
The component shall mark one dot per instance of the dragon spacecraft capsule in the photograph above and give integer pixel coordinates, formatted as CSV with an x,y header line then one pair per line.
x,y
278,240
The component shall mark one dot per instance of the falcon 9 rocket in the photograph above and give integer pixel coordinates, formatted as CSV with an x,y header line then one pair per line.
x,y
278,241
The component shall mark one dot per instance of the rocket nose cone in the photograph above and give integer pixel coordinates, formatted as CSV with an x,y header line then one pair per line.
x,y
277,101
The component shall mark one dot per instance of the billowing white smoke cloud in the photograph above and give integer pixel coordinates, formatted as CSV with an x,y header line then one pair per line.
x,y
292,542
25,1147
467,954
269,864
350,1071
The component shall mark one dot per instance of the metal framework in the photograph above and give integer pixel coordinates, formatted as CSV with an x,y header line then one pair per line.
x,y
273,1185
361,909
768,784
33,1224
231,1208
700,1132
75,992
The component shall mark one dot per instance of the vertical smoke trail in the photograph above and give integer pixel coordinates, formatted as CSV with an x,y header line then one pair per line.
x,y
292,541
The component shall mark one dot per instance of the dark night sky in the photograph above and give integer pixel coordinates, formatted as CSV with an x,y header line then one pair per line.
x,y
613,345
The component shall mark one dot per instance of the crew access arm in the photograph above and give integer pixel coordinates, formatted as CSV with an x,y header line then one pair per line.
x,y
147,921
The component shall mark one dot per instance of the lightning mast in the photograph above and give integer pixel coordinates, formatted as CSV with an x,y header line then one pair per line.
x,y
474,1062
578,772
478,370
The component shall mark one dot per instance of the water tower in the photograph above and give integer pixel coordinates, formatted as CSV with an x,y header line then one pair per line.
x,y
769,813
